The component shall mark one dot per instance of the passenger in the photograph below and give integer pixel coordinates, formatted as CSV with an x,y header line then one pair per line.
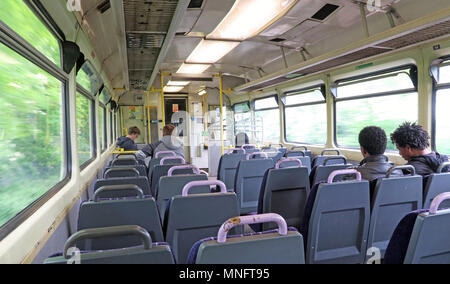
x,y
373,142
242,139
168,143
413,143
127,142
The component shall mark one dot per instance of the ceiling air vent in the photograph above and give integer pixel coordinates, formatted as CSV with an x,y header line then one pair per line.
x,y
325,12
278,39
195,4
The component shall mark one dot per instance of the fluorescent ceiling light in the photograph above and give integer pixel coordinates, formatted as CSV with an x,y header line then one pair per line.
x,y
248,18
171,89
211,51
178,83
193,68
202,92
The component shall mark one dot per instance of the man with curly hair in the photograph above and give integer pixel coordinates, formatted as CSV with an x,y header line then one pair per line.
x,y
413,143
373,142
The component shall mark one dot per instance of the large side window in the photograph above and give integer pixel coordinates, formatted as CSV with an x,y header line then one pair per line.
x,y
17,15
101,127
243,119
267,120
31,133
84,129
89,79
385,99
306,116
442,135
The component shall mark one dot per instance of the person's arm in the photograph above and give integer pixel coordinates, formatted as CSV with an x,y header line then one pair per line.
x,y
147,151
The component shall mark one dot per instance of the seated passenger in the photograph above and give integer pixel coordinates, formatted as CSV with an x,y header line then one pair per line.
x,y
413,143
167,143
127,142
242,139
373,142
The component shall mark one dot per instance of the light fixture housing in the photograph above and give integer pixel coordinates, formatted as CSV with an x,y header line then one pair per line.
x,y
178,83
248,18
172,89
202,92
193,68
211,51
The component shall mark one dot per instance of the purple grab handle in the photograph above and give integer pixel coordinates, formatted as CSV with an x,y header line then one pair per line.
x,y
187,187
185,167
248,145
230,151
277,166
164,153
203,173
344,172
249,220
437,201
183,161
257,153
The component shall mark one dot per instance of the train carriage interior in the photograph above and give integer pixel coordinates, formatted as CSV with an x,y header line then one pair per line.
x,y
224,132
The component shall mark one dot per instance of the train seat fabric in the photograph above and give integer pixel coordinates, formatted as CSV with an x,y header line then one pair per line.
x,y
284,191
110,213
336,222
393,199
320,160
306,160
320,173
161,171
248,181
195,217
125,171
227,169
254,248
434,185
141,182
173,186
149,253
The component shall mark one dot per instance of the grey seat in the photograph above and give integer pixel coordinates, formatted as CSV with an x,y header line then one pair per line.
x,y
302,156
275,154
336,221
148,253
249,177
163,168
282,246
141,211
227,168
141,182
422,237
393,199
305,150
170,186
321,173
190,218
436,184
126,161
284,191
157,160
320,159
124,171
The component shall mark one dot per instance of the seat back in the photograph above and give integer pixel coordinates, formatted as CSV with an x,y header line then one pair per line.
x,y
126,161
190,218
157,253
248,181
284,246
227,168
162,169
436,184
275,154
393,199
302,156
336,221
305,150
110,213
141,182
124,171
319,160
170,186
321,173
284,191
422,236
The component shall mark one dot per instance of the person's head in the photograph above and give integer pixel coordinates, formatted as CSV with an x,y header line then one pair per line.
x,y
133,133
411,140
373,141
168,130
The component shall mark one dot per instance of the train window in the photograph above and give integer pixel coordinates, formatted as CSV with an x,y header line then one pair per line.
x,y
442,135
101,127
84,130
242,119
375,100
31,133
105,96
111,133
18,16
267,120
306,116
89,79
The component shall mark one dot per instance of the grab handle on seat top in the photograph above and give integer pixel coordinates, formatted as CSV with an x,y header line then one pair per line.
x,y
230,151
279,163
325,162
189,186
130,187
250,220
171,153
257,153
195,169
330,150
299,147
344,172
442,167
409,168
181,159
437,201
249,146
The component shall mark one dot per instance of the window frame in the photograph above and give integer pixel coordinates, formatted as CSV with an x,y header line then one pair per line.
x,y
254,110
437,87
336,99
105,130
16,43
322,88
93,133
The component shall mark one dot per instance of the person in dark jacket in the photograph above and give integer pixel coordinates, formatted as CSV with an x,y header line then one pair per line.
x,y
169,142
373,142
413,143
127,142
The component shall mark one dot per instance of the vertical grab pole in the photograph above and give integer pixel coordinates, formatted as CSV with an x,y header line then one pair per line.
x,y
121,121
204,119
162,100
148,118
221,113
